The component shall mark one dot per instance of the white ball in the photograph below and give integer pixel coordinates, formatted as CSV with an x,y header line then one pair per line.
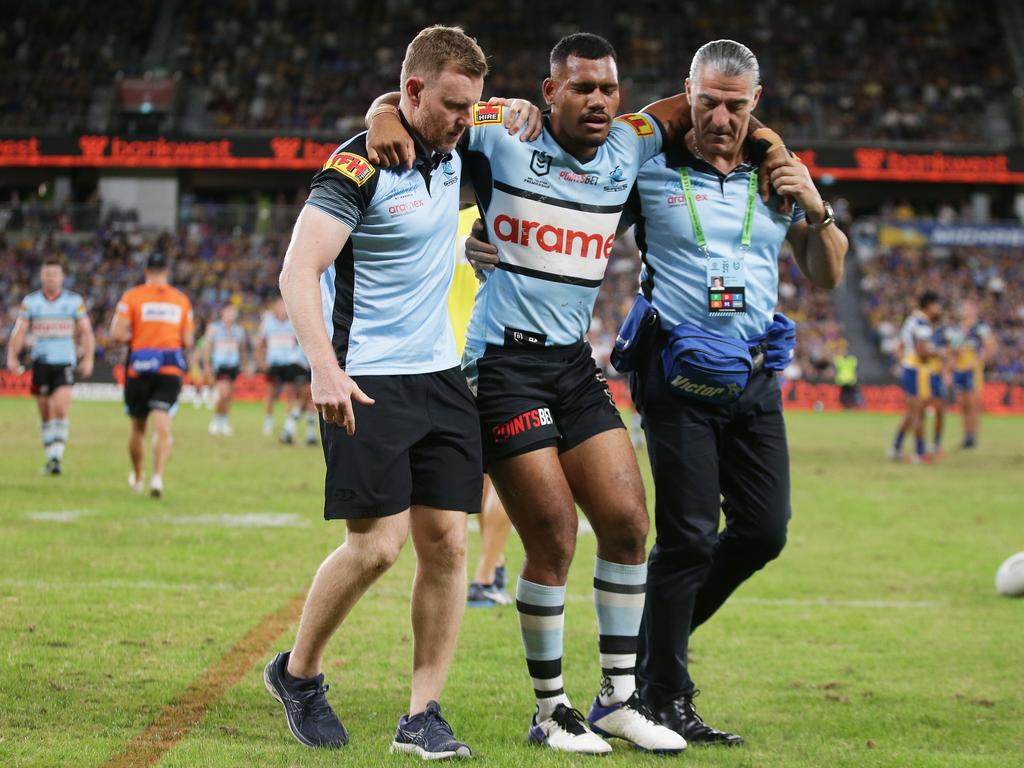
x,y
1010,576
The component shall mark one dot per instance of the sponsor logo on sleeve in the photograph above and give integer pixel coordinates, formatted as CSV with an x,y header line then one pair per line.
x,y
352,166
640,124
487,114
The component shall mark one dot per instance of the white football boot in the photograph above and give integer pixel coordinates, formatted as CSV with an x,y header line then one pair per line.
x,y
566,731
633,721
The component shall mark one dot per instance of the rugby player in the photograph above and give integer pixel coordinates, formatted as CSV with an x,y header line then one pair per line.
x,y
280,357
552,434
940,379
52,317
223,356
973,346
365,280
916,351
155,320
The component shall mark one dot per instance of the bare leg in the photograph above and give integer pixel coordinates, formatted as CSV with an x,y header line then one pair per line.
x,y
162,448
370,548
438,598
225,389
495,527
137,446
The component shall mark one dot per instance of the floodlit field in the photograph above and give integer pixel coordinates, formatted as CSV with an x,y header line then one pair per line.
x,y
876,640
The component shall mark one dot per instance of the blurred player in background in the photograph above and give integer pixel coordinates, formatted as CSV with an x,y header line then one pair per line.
x,y
916,351
223,348
487,588
280,356
155,320
973,346
940,379
52,317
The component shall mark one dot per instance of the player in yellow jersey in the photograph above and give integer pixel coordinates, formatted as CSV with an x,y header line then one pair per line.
x,y
973,345
488,586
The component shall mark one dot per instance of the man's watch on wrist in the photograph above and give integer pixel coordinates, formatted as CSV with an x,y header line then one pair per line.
x,y
830,217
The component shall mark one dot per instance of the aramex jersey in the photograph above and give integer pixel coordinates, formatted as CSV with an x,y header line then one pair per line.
x,y
51,323
281,344
385,295
227,342
159,316
553,221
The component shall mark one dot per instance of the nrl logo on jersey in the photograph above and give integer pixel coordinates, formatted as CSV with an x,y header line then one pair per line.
x,y
540,164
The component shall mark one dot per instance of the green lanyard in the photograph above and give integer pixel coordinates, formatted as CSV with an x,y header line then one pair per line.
x,y
698,230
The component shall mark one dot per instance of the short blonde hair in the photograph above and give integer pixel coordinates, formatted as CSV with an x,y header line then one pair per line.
x,y
436,47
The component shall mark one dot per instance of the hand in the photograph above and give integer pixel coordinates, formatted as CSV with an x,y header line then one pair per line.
x,y
520,113
774,157
85,367
481,254
388,144
791,178
14,366
333,392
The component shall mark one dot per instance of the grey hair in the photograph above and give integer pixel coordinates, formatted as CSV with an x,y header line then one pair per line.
x,y
726,57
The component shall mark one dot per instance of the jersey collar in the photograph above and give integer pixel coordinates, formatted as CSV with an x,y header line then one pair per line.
x,y
425,156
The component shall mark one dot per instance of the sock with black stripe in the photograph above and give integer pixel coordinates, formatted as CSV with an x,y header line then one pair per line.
x,y
541,618
619,601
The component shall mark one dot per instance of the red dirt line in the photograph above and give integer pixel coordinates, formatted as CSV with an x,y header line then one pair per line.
x,y
185,712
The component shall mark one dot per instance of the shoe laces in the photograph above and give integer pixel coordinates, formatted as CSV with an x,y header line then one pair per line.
x,y
640,706
685,709
570,719
436,725
314,701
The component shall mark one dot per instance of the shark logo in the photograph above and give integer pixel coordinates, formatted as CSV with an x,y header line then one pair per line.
x,y
617,174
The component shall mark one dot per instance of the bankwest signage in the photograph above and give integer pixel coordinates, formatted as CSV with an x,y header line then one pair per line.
x,y
297,153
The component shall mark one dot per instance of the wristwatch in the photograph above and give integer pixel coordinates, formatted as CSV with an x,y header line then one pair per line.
x,y
830,217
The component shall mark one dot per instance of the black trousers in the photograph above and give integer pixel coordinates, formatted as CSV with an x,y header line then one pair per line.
x,y
707,460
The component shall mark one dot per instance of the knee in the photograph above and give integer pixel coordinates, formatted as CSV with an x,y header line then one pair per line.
x,y
764,546
446,551
626,535
552,544
378,556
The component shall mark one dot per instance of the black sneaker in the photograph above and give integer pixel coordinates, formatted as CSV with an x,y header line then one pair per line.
x,y
428,735
52,467
286,438
682,717
310,717
500,578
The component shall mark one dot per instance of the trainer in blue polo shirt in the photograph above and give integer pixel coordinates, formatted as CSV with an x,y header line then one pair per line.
x,y
704,376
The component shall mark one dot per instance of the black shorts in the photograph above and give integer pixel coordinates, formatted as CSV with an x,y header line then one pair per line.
x,y
47,379
150,392
293,373
227,373
419,443
531,398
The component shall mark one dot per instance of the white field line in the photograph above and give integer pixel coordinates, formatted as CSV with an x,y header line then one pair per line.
x,y
59,516
129,585
249,520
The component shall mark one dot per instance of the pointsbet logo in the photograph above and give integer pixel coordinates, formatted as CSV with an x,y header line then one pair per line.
x,y
524,422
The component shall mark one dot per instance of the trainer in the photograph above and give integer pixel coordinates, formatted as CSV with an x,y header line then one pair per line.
x,y
705,379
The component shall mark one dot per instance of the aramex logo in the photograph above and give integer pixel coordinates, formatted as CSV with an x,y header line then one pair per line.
x,y
552,239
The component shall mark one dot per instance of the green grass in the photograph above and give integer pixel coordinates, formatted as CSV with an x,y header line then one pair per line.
x,y
875,640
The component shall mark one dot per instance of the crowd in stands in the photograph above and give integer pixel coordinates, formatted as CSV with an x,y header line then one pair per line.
x,y
875,69
897,275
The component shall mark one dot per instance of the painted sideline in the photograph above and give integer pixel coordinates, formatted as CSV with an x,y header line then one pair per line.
x,y
184,713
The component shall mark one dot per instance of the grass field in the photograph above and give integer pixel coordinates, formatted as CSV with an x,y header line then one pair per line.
x,y
876,639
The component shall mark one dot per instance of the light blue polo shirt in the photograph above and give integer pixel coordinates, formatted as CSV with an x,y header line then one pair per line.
x,y
51,324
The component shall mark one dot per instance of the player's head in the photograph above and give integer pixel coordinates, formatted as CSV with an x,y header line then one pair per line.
x,y
929,303
51,275
279,309
442,78
969,311
723,88
229,313
157,267
582,90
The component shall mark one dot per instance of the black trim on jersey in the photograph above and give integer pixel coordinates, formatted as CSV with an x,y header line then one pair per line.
x,y
477,167
343,311
336,184
548,276
537,197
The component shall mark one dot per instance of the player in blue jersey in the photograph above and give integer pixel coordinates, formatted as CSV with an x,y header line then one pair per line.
x,y
365,281
223,356
916,353
280,357
52,317
940,380
973,347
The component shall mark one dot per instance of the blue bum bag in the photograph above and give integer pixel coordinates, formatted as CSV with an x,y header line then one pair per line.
x,y
634,339
701,365
142,361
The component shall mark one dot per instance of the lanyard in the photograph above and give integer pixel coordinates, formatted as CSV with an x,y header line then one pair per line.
x,y
698,230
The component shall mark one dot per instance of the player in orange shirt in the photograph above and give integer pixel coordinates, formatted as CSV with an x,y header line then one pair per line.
x,y
155,320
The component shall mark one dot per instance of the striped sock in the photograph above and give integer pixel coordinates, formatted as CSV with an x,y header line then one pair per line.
x,y
619,600
541,614
61,428
46,429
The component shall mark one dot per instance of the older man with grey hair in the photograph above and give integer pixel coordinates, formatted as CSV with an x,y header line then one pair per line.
x,y
704,377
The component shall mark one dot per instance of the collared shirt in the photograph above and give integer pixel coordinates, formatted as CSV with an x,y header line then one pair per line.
x,y
227,344
674,266
385,296
51,324
281,345
553,220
